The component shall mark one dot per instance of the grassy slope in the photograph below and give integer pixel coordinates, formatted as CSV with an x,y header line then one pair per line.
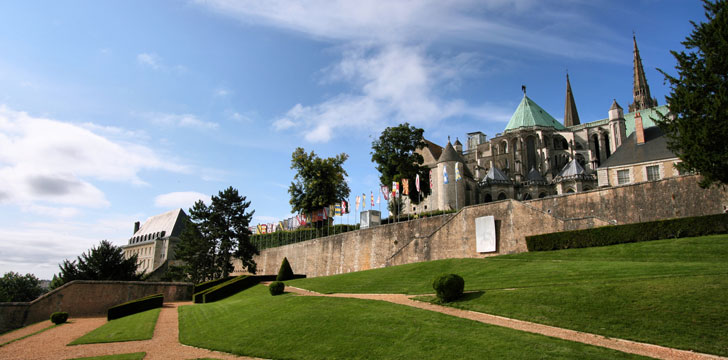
x,y
129,328
256,324
667,292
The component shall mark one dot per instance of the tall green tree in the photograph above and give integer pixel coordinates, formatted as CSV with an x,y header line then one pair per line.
x,y
698,100
318,182
15,287
213,236
395,153
105,262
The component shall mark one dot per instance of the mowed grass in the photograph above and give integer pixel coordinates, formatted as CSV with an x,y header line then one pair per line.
x,y
129,328
129,356
253,323
668,292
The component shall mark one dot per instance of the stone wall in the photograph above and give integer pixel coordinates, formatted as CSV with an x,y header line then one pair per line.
x,y
453,236
87,298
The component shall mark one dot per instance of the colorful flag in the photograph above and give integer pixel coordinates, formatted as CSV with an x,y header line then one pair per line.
x,y
363,201
395,189
357,202
372,194
344,207
396,185
405,186
324,213
280,225
332,210
431,187
457,172
385,192
444,174
417,182
260,229
337,210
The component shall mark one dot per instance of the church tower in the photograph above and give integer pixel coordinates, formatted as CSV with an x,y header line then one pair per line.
x,y
571,116
641,91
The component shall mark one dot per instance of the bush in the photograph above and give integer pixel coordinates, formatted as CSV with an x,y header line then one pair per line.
x,y
59,317
619,234
285,237
276,288
229,288
285,272
208,284
135,306
448,287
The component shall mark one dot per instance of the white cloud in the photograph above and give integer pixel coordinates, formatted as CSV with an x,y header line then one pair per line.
x,y
222,92
150,59
180,120
182,199
48,161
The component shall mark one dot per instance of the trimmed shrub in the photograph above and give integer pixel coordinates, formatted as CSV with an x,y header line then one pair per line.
x,y
285,272
59,317
285,237
448,287
208,284
229,288
276,288
619,234
135,306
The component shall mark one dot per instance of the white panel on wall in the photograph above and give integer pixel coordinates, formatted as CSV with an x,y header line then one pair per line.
x,y
485,234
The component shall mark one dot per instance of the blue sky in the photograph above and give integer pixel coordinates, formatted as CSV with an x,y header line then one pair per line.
x,y
112,112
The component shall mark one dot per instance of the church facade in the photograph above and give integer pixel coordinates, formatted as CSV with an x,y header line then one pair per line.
x,y
536,155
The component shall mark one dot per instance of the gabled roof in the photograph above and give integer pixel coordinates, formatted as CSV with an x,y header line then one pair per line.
x,y
167,224
435,149
647,116
653,149
496,176
573,168
529,114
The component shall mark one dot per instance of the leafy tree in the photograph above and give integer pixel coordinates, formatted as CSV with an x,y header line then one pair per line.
x,y
213,236
698,99
318,182
105,262
16,287
395,153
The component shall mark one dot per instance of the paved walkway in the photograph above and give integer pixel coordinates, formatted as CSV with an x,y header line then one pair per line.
x,y
51,344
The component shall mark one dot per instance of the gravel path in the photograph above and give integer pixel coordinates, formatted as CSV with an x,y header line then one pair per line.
x,y
628,346
51,344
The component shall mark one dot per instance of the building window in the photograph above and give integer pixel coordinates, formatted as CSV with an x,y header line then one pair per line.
x,y
653,173
622,177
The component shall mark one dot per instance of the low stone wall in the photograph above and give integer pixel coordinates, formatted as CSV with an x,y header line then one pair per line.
x,y
453,236
83,298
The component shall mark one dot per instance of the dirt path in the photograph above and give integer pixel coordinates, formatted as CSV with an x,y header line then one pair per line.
x,y
51,344
628,346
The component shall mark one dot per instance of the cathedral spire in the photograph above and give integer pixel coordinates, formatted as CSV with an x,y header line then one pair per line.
x,y
571,116
641,91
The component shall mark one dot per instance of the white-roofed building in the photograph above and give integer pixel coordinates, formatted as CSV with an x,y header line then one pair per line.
x,y
155,240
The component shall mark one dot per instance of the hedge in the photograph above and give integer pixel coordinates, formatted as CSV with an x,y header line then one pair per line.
x,y
280,238
229,288
627,233
135,306
208,284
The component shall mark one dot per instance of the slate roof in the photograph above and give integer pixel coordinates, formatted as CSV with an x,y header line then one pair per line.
x,y
449,154
573,168
653,149
496,176
529,114
535,176
435,149
167,224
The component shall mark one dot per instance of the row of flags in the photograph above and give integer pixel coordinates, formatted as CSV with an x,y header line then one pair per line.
x,y
342,208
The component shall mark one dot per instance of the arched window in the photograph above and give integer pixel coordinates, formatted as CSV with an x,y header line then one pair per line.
x,y
502,196
580,159
504,147
542,195
570,191
488,198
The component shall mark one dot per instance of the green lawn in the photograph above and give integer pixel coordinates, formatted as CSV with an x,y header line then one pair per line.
x,y
253,323
130,356
129,328
668,292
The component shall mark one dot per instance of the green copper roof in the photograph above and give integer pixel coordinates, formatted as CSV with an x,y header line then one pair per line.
x,y
647,117
529,114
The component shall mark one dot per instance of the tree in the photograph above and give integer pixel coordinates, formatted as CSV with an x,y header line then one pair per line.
x,y
18,288
318,182
105,262
395,153
214,235
698,101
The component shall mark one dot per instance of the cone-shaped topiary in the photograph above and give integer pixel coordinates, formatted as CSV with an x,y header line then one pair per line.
x,y
449,287
276,288
59,317
285,272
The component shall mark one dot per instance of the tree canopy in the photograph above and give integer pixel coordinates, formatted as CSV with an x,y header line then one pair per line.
x,y
395,153
105,262
18,288
318,182
698,101
213,236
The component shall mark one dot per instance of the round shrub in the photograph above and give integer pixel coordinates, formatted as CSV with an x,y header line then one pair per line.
x,y
59,317
448,287
276,288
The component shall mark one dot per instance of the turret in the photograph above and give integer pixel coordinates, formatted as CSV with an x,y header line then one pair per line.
x,y
617,126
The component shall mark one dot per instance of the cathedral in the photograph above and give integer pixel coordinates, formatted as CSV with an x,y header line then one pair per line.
x,y
536,155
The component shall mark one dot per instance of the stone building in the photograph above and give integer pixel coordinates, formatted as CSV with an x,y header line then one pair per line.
x,y
537,156
154,242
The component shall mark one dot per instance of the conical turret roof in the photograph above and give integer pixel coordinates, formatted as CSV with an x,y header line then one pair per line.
x,y
449,154
535,176
573,168
496,174
529,114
